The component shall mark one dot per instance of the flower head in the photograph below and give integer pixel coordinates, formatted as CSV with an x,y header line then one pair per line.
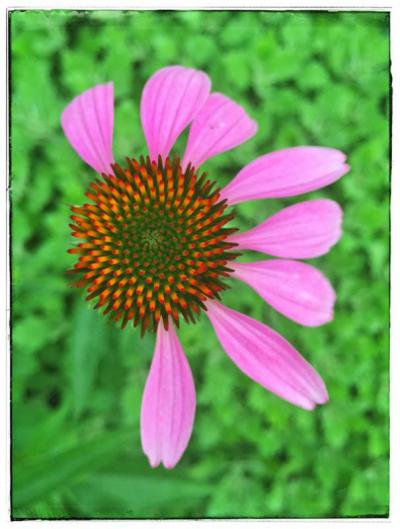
x,y
155,247
155,242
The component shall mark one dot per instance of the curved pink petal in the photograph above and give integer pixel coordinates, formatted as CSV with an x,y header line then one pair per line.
x,y
88,123
169,401
297,290
286,173
170,100
266,357
220,125
301,231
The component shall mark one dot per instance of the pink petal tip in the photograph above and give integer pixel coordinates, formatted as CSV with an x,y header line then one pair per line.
x,y
88,123
221,125
171,99
302,231
286,173
266,357
297,290
169,401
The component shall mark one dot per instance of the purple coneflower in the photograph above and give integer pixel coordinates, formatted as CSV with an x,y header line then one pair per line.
x,y
156,249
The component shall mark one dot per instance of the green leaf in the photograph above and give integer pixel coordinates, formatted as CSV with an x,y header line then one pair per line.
x,y
88,344
46,474
109,495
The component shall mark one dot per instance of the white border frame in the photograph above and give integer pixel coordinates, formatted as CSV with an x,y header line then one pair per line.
x,y
331,5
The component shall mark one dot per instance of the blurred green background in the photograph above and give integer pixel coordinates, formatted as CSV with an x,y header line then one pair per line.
x,y
307,78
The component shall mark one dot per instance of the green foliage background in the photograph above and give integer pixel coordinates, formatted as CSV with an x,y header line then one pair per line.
x,y
307,78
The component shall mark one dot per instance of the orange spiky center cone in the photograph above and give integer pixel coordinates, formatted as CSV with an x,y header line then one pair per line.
x,y
153,243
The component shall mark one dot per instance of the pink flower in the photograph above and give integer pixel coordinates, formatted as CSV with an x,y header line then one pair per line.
x,y
155,251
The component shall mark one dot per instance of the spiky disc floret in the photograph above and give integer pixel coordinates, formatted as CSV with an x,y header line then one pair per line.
x,y
153,242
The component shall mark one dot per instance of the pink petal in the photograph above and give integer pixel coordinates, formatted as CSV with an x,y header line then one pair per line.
x,y
88,123
297,290
301,231
266,357
171,99
286,173
220,125
168,403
